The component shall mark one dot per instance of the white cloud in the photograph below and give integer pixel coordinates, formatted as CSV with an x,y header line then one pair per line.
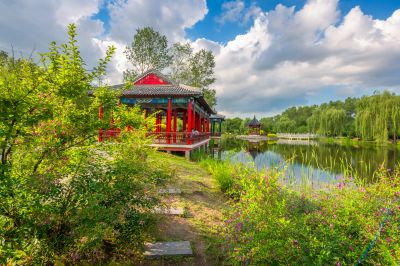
x,y
289,57
286,58
34,24
236,11
170,18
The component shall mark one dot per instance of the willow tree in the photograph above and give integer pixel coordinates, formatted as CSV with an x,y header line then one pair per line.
x,y
377,116
314,120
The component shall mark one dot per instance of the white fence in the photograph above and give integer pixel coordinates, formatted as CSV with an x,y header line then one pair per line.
x,y
296,136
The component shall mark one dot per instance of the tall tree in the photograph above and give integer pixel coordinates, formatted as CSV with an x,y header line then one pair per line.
x,y
148,50
194,69
378,115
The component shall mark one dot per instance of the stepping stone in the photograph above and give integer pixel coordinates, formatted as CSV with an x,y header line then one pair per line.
x,y
170,191
175,248
169,211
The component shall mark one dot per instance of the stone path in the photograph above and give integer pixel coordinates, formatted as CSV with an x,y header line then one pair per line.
x,y
175,248
169,211
171,248
170,191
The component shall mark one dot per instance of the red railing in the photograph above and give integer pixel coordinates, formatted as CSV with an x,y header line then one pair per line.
x,y
105,134
180,138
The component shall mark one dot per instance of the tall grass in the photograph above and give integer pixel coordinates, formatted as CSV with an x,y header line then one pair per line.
x,y
272,223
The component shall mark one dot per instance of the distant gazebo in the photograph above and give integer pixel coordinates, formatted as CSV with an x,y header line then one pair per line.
x,y
254,126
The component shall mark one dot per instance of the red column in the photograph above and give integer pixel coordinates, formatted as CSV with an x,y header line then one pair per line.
x,y
193,116
158,122
169,120
200,121
175,113
189,126
184,121
100,137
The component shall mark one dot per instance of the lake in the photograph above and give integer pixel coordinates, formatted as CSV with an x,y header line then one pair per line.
x,y
312,162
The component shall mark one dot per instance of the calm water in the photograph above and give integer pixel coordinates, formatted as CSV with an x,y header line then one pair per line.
x,y
312,162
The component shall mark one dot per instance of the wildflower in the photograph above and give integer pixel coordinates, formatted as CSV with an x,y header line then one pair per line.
x,y
239,226
296,244
338,263
388,239
351,248
340,185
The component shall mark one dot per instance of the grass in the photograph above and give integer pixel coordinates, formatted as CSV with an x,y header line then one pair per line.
x,y
203,217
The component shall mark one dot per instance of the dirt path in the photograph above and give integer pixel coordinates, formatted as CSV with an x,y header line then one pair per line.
x,y
202,222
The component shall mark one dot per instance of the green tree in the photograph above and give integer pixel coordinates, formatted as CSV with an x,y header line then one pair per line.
x,y
377,116
284,124
233,125
148,50
194,69
64,198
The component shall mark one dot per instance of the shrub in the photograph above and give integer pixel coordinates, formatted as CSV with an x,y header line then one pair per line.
x,y
271,224
65,199
272,135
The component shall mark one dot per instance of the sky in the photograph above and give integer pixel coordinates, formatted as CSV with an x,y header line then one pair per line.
x,y
270,54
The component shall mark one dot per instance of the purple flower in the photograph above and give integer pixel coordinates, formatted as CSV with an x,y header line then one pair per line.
x,y
340,185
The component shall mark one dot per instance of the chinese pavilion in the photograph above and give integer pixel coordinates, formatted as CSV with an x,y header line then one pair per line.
x,y
182,113
254,126
215,120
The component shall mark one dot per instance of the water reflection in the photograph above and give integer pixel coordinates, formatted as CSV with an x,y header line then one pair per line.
x,y
310,161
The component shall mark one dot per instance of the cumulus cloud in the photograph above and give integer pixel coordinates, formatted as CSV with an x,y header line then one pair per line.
x,y
236,11
28,25
288,57
170,18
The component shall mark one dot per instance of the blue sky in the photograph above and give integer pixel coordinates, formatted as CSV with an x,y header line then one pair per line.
x,y
269,54
210,29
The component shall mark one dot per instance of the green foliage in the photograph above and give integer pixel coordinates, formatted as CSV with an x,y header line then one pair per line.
x,y
378,116
235,125
223,172
194,69
271,224
328,121
375,117
63,197
148,50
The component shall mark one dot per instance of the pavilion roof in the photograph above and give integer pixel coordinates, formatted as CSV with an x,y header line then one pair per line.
x,y
152,83
156,90
254,122
217,117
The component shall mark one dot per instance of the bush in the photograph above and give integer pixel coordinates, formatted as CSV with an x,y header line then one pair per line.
x,y
223,173
272,135
271,224
64,198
